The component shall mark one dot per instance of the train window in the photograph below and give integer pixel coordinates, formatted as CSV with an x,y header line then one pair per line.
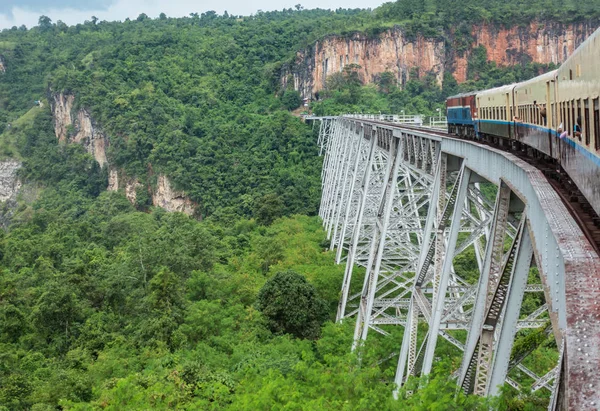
x,y
586,119
570,74
597,123
511,113
578,70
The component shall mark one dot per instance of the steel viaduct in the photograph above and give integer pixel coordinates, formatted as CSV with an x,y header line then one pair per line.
x,y
408,205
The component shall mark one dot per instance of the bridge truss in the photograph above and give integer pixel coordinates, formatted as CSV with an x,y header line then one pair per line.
x,y
417,211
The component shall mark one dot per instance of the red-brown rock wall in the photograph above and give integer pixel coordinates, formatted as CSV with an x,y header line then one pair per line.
x,y
392,51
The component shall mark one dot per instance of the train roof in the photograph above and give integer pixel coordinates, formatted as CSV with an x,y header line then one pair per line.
x,y
542,77
468,93
501,89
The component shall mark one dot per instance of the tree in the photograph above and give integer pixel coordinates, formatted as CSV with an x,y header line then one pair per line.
x,y
291,99
45,23
268,208
387,81
292,306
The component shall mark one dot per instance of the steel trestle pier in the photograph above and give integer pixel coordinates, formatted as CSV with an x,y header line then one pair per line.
x,y
445,238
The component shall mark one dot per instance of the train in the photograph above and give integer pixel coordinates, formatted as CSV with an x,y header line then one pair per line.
x,y
556,114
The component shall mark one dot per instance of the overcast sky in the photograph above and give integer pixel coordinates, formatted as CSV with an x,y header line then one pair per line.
x,y
17,12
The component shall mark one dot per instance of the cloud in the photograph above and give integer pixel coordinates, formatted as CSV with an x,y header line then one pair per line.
x,y
39,6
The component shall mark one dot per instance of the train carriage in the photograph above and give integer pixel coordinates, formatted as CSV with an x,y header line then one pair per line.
x,y
534,120
495,112
461,113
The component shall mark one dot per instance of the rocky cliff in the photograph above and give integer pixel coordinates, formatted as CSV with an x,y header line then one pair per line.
x,y
9,188
395,52
77,126
164,196
9,183
2,65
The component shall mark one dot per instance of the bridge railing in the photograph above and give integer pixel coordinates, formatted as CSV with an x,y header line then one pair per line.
x,y
411,119
419,120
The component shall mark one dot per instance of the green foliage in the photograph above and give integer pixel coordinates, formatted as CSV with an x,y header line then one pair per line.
x,y
291,99
292,306
424,16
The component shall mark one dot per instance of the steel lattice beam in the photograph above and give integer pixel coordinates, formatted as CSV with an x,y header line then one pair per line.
x,y
405,203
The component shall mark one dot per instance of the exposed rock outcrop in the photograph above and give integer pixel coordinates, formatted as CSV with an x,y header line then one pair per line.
x,y
2,65
393,51
78,127
113,179
9,182
169,199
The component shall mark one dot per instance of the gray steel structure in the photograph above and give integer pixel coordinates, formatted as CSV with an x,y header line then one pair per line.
x,y
405,203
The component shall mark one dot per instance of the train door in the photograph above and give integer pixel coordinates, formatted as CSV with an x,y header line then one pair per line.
x,y
476,121
548,121
473,117
507,111
558,118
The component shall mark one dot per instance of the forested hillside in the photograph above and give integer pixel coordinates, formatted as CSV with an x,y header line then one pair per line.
x,y
107,303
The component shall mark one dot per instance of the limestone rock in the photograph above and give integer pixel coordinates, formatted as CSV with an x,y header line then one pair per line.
x,y
399,54
169,199
78,127
9,183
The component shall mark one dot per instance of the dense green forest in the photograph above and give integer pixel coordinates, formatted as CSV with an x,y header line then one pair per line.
x,y
109,305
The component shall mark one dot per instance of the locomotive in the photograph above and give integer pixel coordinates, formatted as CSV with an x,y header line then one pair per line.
x,y
556,113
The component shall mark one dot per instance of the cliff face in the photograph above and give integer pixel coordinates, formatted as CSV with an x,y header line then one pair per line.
x,y
394,52
2,65
9,188
72,126
171,200
78,127
9,183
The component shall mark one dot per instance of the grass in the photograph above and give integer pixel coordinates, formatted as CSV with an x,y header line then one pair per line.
x,y
9,137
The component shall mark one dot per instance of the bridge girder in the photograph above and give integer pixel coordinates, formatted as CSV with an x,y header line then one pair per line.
x,y
407,205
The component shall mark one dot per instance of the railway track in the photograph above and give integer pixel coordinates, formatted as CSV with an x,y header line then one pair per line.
x,y
578,206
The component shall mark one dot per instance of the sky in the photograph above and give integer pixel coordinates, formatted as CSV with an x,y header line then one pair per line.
x,y
27,12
